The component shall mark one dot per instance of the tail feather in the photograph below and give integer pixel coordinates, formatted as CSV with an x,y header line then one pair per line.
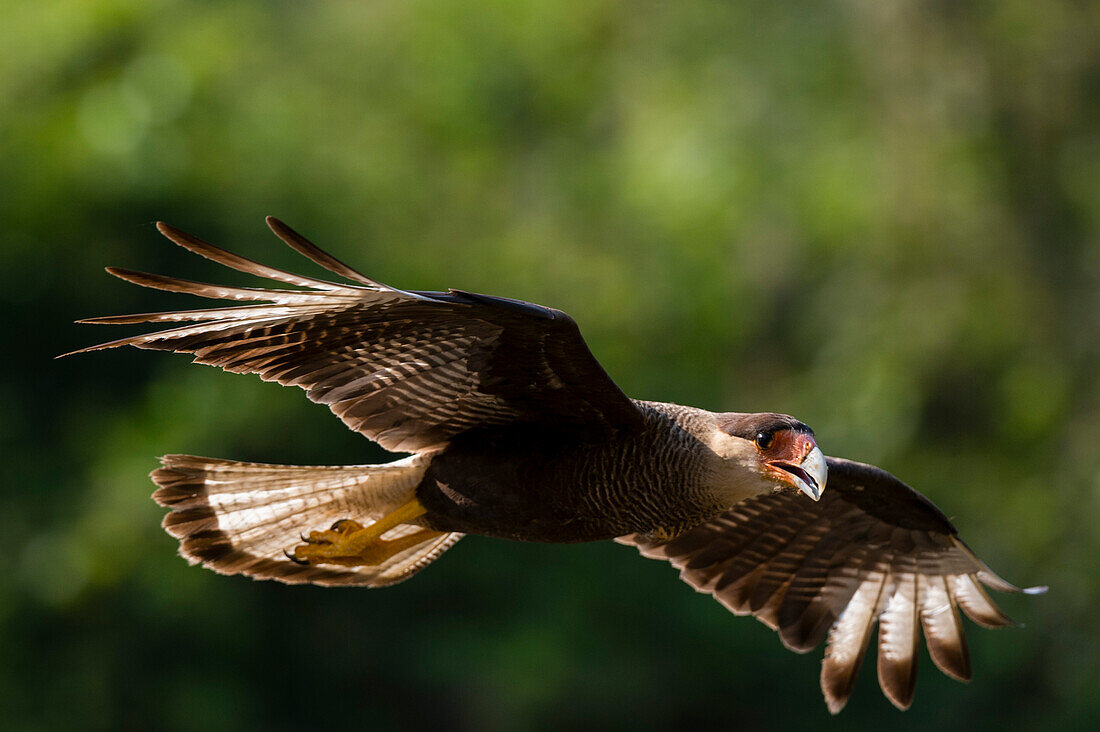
x,y
241,518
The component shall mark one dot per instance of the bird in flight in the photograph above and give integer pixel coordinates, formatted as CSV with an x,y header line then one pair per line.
x,y
516,431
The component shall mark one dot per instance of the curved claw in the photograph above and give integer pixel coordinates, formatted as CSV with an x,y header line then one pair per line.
x,y
295,559
345,526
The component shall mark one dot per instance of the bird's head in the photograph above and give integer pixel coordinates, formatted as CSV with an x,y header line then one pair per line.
x,y
769,453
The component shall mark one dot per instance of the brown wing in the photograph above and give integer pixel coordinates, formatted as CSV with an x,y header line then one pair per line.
x,y
871,550
407,369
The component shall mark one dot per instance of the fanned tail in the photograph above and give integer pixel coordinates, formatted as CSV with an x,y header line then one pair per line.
x,y
242,518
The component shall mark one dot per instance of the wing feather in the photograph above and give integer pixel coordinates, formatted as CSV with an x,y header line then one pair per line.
x,y
308,249
898,636
848,642
872,550
977,605
943,631
242,264
408,369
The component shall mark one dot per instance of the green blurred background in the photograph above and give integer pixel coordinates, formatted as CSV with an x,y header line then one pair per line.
x,y
882,217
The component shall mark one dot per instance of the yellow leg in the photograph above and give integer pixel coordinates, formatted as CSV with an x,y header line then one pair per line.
x,y
350,544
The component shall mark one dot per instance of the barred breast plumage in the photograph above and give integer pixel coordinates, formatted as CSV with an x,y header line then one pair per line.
x,y
554,488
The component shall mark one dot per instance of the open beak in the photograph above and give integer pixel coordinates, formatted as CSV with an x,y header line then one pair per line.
x,y
809,474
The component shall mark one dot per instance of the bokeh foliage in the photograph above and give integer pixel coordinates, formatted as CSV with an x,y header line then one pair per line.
x,y
881,217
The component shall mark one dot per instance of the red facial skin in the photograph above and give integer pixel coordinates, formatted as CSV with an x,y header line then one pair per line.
x,y
787,450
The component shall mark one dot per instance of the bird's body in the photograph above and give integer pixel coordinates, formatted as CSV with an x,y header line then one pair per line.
x,y
517,432
660,480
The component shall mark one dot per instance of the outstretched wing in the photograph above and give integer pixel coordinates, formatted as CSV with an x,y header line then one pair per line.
x,y
871,550
407,369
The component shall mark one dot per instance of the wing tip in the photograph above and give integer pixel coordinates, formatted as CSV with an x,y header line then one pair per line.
x,y
898,681
178,236
962,675
837,685
88,349
136,277
318,256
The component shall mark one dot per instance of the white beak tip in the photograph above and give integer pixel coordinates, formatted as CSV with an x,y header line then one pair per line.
x,y
810,491
815,466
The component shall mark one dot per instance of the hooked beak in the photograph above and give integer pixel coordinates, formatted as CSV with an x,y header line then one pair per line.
x,y
809,476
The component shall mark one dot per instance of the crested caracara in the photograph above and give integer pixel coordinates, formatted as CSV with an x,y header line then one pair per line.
x,y
517,432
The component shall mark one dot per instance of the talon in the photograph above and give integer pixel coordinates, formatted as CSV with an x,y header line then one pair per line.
x,y
344,526
295,559
350,544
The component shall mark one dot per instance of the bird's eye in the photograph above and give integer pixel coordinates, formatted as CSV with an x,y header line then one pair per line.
x,y
764,439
